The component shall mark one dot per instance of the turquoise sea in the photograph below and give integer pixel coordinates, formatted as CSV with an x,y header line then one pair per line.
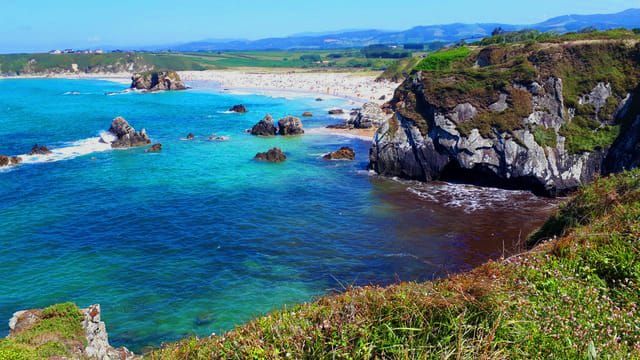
x,y
199,238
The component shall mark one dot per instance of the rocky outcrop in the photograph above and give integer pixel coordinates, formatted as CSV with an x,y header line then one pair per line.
x,y
336,112
190,136
96,345
155,148
39,150
265,127
9,160
241,109
126,135
307,114
517,126
625,152
290,126
157,81
370,115
344,153
274,155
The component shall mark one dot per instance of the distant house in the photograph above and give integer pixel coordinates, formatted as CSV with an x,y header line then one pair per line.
x,y
99,51
68,51
55,52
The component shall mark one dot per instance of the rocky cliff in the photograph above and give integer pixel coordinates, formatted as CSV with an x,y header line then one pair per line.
x,y
538,116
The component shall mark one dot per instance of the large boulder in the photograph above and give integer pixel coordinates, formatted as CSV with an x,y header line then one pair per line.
x,y
39,150
9,160
290,125
274,155
126,135
264,127
344,153
370,115
157,81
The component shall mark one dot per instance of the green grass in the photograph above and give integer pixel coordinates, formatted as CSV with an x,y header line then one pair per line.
x,y
586,135
574,297
442,60
545,136
59,329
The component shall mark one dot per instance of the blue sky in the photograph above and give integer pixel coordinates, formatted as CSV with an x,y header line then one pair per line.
x,y
37,25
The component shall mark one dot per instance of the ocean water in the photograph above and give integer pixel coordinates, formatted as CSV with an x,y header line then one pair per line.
x,y
200,238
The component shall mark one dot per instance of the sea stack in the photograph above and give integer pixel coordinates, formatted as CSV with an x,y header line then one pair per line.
x,y
126,135
157,81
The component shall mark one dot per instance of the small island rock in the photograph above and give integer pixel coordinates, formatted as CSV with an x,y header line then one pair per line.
x,y
39,150
127,136
274,155
191,136
240,109
345,153
157,81
290,125
336,112
307,114
264,127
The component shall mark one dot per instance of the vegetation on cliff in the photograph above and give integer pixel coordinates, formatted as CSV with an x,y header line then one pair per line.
x,y
58,331
574,296
481,75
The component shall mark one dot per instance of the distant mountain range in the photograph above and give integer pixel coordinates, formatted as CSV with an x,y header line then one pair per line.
x,y
420,34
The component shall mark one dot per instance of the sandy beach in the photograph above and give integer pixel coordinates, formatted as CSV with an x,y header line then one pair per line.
x,y
355,86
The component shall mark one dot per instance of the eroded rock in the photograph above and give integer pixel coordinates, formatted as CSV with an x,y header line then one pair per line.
x,y
126,135
274,155
265,127
344,153
157,81
289,126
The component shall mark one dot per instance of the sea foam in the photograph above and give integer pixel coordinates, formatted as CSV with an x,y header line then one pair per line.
x,y
73,149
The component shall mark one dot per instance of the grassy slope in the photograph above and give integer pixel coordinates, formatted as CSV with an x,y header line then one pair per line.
x,y
55,335
573,297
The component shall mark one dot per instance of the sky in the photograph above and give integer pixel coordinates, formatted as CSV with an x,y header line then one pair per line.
x,y
41,25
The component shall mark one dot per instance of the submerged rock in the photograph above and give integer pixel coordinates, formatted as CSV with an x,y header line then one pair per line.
x,y
290,125
241,109
9,160
191,136
274,155
155,148
157,81
307,114
127,136
344,153
218,138
264,127
336,112
39,150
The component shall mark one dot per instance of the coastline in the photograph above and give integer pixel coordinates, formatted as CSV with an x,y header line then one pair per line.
x,y
353,87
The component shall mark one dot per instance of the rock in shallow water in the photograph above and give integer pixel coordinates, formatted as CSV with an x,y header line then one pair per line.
x,y
39,150
155,148
241,109
274,155
264,127
126,135
290,125
9,160
344,153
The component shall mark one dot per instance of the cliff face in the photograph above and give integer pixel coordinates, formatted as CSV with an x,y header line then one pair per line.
x,y
540,117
